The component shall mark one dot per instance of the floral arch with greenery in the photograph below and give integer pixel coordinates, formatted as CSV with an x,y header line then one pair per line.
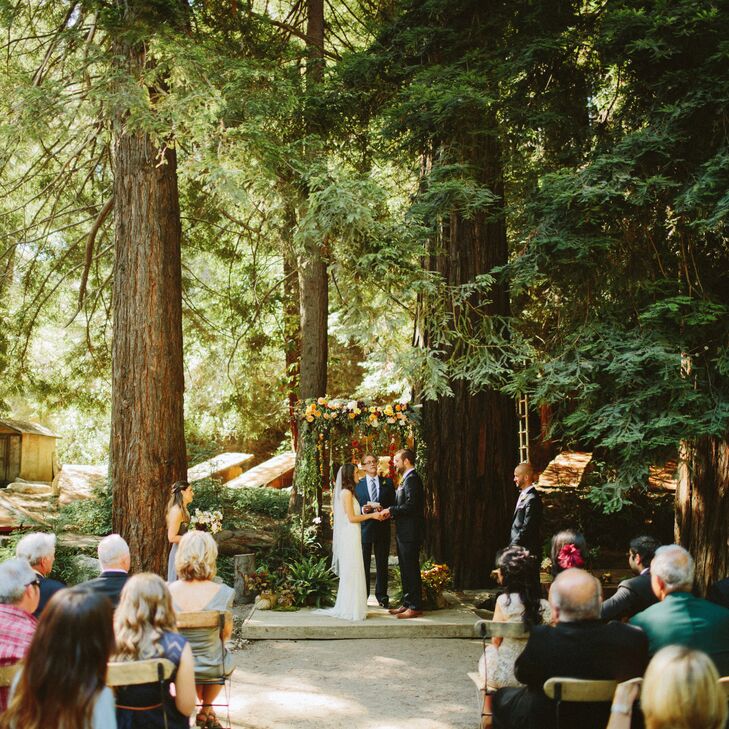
x,y
337,431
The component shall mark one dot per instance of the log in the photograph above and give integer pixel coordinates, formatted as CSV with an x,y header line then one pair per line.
x,y
244,564
241,541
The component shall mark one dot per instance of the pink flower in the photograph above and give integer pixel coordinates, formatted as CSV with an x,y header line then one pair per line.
x,y
570,556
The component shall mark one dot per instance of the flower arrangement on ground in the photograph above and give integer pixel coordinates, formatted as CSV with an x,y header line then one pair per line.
x,y
435,578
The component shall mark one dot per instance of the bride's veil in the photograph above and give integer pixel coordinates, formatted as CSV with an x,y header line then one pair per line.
x,y
339,520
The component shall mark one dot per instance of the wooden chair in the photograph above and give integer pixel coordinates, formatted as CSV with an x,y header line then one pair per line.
x,y
136,673
8,673
724,684
222,620
577,690
486,629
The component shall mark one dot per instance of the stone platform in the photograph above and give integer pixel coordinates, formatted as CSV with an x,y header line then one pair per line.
x,y
305,624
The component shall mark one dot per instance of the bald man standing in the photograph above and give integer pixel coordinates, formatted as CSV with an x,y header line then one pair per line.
x,y
527,523
579,645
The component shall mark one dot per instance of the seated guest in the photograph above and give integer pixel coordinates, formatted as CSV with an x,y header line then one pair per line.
x,y
19,595
520,602
680,691
115,562
569,549
144,625
40,550
195,564
680,618
579,645
62,684
636,594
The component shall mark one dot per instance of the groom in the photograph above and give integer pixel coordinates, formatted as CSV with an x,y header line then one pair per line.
x,y
408,516
375,533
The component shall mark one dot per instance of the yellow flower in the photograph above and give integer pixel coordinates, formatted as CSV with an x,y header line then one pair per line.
x,y
351,416
373,409
310,418
388,410
317,413
398,407
322,401
326,416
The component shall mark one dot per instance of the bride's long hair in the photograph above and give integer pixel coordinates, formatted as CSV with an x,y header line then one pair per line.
x,y
348,481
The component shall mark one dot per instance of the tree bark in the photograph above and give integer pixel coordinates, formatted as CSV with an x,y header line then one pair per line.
x,y
147,429
471,439
702,506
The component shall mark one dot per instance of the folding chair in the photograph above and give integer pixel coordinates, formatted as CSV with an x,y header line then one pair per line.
x,y
577,690
209,619
8,673
136,673
486,629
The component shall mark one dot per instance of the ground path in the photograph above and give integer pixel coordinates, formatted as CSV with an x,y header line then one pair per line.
x,y
363,684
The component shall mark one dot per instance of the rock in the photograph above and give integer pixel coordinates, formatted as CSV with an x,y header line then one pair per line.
x,y
76,481
242,541
39,488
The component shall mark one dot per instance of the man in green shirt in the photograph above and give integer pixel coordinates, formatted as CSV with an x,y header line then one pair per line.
x,y
680,618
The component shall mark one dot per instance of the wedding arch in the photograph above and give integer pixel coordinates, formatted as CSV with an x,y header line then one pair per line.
x,y
337,431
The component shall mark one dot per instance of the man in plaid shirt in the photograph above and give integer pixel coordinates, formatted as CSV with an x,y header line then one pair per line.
x,y
19,595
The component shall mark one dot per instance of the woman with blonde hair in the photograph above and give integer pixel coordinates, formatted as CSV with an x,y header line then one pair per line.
x,y
680,691
62,683
178,517
195,590
145,627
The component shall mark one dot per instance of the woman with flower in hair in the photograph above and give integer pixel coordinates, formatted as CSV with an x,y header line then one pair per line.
x,y
569,549
178,518
519,602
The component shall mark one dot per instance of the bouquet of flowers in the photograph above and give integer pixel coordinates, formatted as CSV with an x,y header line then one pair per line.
x,y
207,521
435,579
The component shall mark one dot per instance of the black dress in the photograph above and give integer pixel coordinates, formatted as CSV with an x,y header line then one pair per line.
x,y
148,695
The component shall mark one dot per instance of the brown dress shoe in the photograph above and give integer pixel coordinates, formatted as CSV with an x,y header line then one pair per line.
x,y
410,613
397,611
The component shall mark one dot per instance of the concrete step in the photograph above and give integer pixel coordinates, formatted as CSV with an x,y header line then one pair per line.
x,y
306,624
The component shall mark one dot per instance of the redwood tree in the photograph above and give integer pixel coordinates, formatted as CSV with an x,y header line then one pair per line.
x,y
147,435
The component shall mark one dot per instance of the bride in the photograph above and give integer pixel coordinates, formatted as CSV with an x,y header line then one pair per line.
x,y
347,559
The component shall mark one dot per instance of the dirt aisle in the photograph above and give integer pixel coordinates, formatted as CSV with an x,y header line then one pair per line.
x,y
362,684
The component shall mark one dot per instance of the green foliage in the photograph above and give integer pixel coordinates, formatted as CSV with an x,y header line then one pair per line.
x,y
87,516
235,504
311,581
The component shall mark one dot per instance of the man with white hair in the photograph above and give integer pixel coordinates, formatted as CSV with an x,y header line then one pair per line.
x,y
680,618
40,551
115,561
19,596
579,645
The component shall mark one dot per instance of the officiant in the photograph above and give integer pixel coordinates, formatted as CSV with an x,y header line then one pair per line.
x,y
375,490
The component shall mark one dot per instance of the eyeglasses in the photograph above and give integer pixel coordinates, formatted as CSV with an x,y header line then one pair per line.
x,y
36,582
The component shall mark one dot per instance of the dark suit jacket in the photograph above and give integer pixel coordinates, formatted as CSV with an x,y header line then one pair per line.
x,y
372,530
684,619
109,584
719,593
527,524
585,649
632,596
408,511
48,588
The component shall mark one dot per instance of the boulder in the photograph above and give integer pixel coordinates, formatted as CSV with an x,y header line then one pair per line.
x,y
38,488
240,541
76,481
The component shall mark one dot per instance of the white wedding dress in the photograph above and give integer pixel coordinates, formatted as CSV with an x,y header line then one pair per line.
x,y
347,562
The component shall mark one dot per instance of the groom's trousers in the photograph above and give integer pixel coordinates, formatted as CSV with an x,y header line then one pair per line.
x,y
382,551
408,555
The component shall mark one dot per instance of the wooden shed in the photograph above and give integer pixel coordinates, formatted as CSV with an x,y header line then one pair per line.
x,y
27,451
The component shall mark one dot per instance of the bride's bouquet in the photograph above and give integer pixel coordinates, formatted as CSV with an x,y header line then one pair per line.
x,y
207,521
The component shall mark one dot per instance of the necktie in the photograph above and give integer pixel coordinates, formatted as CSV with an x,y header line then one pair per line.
x,y
373,489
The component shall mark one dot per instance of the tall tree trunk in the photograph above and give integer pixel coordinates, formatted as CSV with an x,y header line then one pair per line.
x,y
313,281
471,439
291,321
147,429
702,506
